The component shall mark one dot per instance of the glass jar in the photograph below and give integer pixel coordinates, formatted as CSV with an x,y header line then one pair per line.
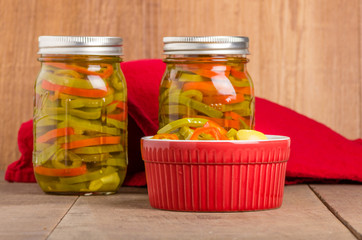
x,y
206,77
80,116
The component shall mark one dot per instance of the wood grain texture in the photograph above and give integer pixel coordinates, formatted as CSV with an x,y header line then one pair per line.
x,y
345,201
128,215
305,54
27,213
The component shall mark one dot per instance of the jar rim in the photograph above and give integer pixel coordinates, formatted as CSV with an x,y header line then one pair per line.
x,y
81,45
195,45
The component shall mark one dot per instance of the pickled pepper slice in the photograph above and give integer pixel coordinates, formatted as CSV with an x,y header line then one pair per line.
x,y
193,94
83,124
59,132
239,83
237,73
186,132
223,99
111,180
186,77
89,176
72,82
199,106
78,102
55,172
166,136
92,142
121,108
189,122
233,115
208,70
86,113
44,155
214,132
65,159
175,109
108,69
94,93
213,124
99,149
227,123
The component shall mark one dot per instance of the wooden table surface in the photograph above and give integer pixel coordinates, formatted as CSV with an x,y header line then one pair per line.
x,y
308,212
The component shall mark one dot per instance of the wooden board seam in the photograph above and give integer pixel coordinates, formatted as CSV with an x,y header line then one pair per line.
x,y
337,215
61,219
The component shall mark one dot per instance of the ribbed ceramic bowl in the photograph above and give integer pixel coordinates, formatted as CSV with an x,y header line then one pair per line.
x,y
215,175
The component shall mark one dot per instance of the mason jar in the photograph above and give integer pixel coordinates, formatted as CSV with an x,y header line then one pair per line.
x,y
80,116
207,77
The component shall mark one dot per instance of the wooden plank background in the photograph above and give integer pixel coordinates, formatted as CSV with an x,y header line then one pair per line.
x,y
306,54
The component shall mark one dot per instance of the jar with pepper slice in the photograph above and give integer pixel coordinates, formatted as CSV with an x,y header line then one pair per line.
x,y
206,77
80,116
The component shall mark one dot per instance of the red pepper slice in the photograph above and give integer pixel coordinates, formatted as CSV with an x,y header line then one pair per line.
x,y
91,142
211,88
206,87
223,99
237,73
166,136
59,132
213,124
208,70
105,74
235,116
120,116
66,172
95,93
227,123
214,132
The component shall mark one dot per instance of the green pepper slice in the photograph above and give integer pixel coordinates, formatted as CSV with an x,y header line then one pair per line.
x,y
174,109
89,176
190,122
55,186
94,157
58,159
242,108
186,132
108,182
193,94
231,134
86,113
117,162
80,102
74,82
116,123
201,107
83,124
187,77
45,121
41,146
116,81
239,83
99,149
119,96
40,158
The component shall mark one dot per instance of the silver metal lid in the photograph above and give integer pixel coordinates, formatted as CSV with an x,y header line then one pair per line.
x,y
206,45
79,45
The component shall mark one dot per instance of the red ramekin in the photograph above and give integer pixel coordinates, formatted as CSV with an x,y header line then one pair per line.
x,y
235,175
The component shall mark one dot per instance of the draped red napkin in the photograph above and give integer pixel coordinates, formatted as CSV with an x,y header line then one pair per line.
x,y
317,152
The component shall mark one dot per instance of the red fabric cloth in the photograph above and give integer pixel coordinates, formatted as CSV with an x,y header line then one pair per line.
x,y
22,169
317,152
143,79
